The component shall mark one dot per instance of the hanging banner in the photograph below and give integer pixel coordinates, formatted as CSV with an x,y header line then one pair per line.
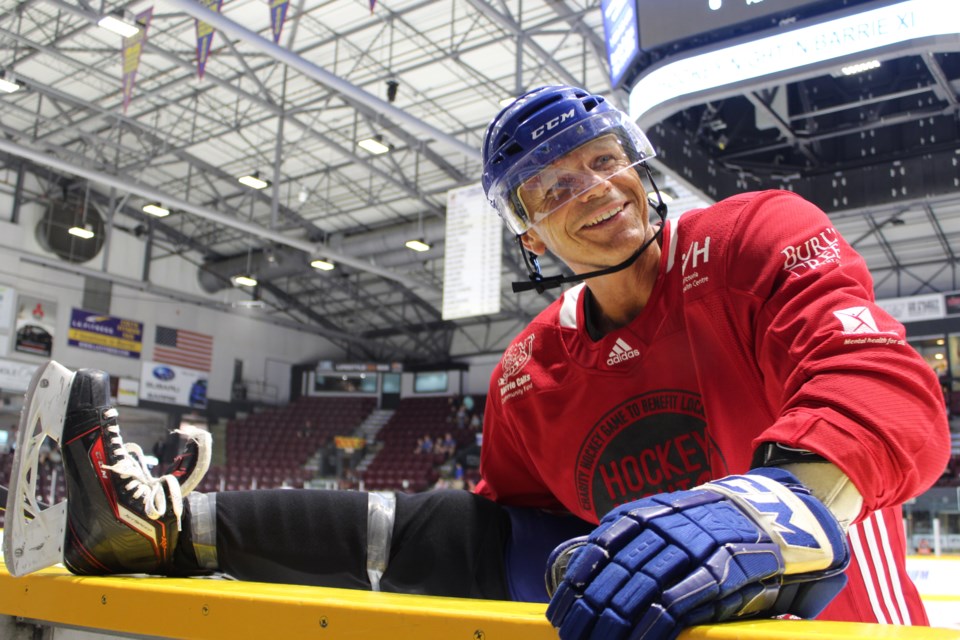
x,y
173,385
36,319
131,51
278,13
205,36
107,334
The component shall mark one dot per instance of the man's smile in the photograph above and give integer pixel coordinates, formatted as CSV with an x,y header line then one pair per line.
x,y
603,217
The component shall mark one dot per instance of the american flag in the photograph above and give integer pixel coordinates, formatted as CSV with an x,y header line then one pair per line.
x,y
183,348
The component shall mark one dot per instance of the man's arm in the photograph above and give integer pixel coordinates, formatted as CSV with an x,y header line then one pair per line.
x,y
839,372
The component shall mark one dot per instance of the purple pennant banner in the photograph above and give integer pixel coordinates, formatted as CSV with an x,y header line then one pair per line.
x,y
278,13
131,52
205,36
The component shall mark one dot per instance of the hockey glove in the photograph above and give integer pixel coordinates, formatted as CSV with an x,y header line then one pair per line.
x,y
753,545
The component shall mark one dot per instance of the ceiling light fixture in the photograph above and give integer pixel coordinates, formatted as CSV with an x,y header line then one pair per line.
x,y
85,232
417,245
116,23
156,209
254,181
854,69
243,280
322,264
392,86
9,84
374,145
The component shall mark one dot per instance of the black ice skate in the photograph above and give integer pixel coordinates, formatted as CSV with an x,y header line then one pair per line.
x,y
117,517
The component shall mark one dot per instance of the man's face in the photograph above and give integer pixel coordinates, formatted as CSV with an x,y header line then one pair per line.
x,y
589,207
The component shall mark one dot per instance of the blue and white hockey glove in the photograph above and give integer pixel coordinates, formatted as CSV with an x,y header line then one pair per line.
x,y
743,546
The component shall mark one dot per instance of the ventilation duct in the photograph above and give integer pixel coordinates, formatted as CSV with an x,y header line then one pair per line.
x,y
53,234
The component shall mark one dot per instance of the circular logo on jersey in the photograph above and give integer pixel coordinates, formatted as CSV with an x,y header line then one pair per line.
x,y
649,444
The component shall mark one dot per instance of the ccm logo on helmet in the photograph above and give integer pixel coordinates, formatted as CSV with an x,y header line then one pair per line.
x,y
552,123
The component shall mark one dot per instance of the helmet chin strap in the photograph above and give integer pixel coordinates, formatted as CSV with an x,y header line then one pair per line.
x,y
541,283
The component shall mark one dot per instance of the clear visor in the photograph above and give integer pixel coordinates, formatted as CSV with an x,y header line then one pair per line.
x,y
600,148
572,176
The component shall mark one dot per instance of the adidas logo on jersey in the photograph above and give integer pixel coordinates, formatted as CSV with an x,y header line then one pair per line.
x,y
621,352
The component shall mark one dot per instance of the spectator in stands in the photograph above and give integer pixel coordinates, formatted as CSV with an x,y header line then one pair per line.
x,y
427,445
452,406
424,445
457,477
447,446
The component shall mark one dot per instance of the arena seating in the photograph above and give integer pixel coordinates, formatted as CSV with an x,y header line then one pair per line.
x,y
268,448
398,466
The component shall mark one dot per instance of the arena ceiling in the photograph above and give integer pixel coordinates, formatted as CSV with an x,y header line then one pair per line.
x,y
295,110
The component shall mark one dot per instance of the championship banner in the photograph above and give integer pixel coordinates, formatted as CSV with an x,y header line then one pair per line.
x,y
278,13
106,334
170,384
15,376
205,36
131,51
36,319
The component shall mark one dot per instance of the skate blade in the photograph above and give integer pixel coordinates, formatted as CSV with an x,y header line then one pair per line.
x,y
33,536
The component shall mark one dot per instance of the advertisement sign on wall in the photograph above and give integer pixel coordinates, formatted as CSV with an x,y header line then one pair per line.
x,y
170,384
6,317
36,319
15,376
128,392
107,334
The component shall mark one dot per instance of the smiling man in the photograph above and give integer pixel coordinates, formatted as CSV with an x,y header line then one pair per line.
x,y
707,378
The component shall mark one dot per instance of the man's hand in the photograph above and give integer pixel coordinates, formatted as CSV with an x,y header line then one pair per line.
x,y
738,547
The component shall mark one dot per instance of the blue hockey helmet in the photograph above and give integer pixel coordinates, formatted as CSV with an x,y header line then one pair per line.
x,y
539,128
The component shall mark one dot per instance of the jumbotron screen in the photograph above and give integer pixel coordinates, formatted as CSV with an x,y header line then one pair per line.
x,y
662,22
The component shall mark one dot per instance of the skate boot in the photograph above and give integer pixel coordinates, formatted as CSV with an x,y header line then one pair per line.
x,y
117,517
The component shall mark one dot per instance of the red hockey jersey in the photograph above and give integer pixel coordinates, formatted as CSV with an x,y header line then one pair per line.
x,y
761,327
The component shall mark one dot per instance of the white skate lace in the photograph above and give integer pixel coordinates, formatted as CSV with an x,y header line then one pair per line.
x,y
144,486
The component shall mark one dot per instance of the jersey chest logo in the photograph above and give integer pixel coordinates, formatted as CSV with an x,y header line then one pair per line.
x,y
649,444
